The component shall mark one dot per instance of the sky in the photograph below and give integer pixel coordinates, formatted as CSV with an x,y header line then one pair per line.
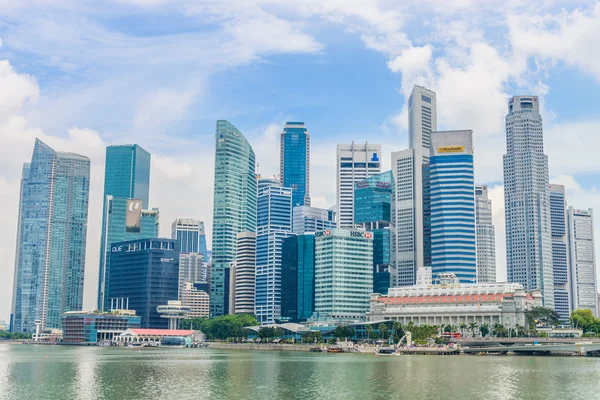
x,y
83,74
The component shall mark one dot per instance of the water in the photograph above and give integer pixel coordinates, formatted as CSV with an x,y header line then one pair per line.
x,y
63,372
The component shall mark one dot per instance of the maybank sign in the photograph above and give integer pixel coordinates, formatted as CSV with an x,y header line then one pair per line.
x,y
451,149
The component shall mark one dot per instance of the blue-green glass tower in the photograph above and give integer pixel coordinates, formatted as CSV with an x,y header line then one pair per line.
x,y
298,277
126,193
294,162
234,207
372,210
50,262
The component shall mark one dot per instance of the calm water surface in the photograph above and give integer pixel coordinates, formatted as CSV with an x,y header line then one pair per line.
x,y
63,372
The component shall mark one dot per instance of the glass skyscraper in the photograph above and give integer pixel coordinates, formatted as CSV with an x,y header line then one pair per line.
x,y
582,259
126,194
486,237
298,277
526,199
234,207
560,261
274,223
372,211
312,219
294,162
144,274
452,188
50,256
191,236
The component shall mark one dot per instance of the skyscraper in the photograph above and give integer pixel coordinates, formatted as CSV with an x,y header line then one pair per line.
x,y
372,211
51,240
526,199
274,223
234,206
192,269
294,162
126,193
582,259
560,260
245,276
298,277
411,239
312,219
486,237
191,236
355,162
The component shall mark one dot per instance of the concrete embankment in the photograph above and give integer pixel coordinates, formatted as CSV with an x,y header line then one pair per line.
x,y
254,346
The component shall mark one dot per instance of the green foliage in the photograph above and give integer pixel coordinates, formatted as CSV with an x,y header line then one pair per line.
x,y
472,327
312,337
583,318
462,328
5,335
484,329
383,331
221,328
546,316
343,332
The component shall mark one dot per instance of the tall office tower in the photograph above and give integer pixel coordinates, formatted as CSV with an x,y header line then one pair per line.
x,y
312,219
274,223
343,275
143,275
191,236
192,269
411,238
372,211
245,276
298,277
582,259
294,162
234,206
51,240
453,243
355,162
486,237
126,193
560,260
526,199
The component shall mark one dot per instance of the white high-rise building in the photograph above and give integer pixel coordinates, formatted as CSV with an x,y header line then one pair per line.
x,y
526,199
192,268
245,273
411,238
198,301
560,259
582,259
486,238
355,162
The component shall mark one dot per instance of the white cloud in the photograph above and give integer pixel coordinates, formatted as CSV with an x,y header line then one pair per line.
x,y
160,107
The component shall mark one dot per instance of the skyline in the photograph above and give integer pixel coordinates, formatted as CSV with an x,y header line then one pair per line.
x,y
50,96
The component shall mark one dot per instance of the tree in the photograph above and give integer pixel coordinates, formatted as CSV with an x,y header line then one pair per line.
x,y
383,330
484,329
343,332
462,328
398,331
312,337
222,328
543,315
583,318
472,327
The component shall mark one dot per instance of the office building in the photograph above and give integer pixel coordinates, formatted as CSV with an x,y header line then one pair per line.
x,y
411,238
526,199
582,259
274,223
294,162
126,195
191,236
234,207
192,268
312,219
343,275
298,277
372,212
355,162
198,301
245,273
560,259
51,238
144,274
452,303
452,191
486,237
93,328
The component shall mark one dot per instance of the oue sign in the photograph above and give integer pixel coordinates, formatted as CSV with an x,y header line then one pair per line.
x,y
117,249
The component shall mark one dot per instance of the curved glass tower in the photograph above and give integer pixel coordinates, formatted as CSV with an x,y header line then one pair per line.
x,y
294,162
234,207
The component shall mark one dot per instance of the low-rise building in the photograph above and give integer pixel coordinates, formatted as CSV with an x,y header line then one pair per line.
x,y
198,301
172,337
450,303
91,328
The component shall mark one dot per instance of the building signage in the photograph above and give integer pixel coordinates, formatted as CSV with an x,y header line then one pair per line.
x,y
166,259
361,234
451,149
362,184
385,185
134,216
324,233
117,249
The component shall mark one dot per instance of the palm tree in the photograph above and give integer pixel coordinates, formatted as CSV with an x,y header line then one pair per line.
x,y
484,329
472,327
497,328
462,328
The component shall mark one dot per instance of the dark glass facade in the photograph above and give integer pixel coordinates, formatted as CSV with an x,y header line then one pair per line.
x,y
146,273
295,162
298,277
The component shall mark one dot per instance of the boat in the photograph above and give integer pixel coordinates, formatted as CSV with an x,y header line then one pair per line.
x,y
315,350
386,351
334,350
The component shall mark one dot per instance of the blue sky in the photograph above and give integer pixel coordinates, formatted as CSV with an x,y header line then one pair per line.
x,y
81,74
